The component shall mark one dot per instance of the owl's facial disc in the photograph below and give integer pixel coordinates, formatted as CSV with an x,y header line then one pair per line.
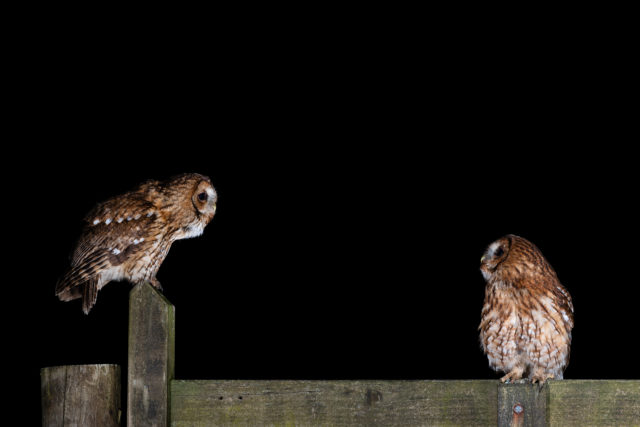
x,y
493,256
205,199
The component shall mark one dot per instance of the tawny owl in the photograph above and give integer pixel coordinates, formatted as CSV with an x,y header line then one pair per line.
x,y
128,236
527,315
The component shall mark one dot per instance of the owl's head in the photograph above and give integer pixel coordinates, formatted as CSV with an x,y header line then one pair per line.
x,y
205,198
512,257
495,254
189,200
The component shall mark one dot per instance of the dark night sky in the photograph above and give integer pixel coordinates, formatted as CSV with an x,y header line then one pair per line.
x,y
328,263
354,205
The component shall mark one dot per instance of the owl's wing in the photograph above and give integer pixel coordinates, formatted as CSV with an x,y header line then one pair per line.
x,y
82,280
114,231
119,207
564,303
98,231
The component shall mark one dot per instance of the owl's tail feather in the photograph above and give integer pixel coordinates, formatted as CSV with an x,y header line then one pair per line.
x,y
89,295
76,285
67,288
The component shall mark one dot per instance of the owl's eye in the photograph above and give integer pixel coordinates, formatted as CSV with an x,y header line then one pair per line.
x,y
203,196
499,252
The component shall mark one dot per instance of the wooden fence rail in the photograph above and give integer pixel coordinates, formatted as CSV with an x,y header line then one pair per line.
x,y
155,398
405,403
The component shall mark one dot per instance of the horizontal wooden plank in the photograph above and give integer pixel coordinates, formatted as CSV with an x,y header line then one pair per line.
x,y
594,402
200,403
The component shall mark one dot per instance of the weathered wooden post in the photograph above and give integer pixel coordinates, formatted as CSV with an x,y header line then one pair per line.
x,y
570,403
151,351
522,405
80,395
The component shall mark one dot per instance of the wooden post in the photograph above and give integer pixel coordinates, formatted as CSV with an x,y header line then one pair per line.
x,y
522,404
80,395
151,351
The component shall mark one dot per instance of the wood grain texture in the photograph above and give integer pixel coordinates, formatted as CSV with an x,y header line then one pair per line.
x,y
352,403
522,405
151,357
80,395
594,402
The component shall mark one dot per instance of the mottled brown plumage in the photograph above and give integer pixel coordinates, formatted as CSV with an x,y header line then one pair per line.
x,y
527,315
128,236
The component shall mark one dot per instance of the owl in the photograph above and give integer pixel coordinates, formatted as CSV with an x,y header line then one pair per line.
x,y
527,315
128,236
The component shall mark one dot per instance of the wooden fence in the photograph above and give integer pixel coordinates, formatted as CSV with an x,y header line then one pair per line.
x,y
155,398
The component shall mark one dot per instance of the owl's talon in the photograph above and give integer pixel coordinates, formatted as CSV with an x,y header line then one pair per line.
x,y
539,383
156,284
513,375
541,379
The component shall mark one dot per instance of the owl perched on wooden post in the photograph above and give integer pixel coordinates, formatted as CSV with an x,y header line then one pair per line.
x,y
527,315
128,236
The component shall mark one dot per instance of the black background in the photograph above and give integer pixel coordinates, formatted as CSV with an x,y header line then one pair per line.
x,y
359,180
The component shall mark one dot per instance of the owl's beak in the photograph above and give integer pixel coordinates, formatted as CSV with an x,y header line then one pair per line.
x,y
482,259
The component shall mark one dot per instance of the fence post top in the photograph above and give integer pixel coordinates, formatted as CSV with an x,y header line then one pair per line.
x,y
145,289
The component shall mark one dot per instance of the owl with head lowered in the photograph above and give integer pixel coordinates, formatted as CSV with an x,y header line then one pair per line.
x,y
128,236
527,316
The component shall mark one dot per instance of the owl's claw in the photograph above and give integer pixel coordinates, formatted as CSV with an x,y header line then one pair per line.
x,y
156,284
514,375
540,384
541,379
